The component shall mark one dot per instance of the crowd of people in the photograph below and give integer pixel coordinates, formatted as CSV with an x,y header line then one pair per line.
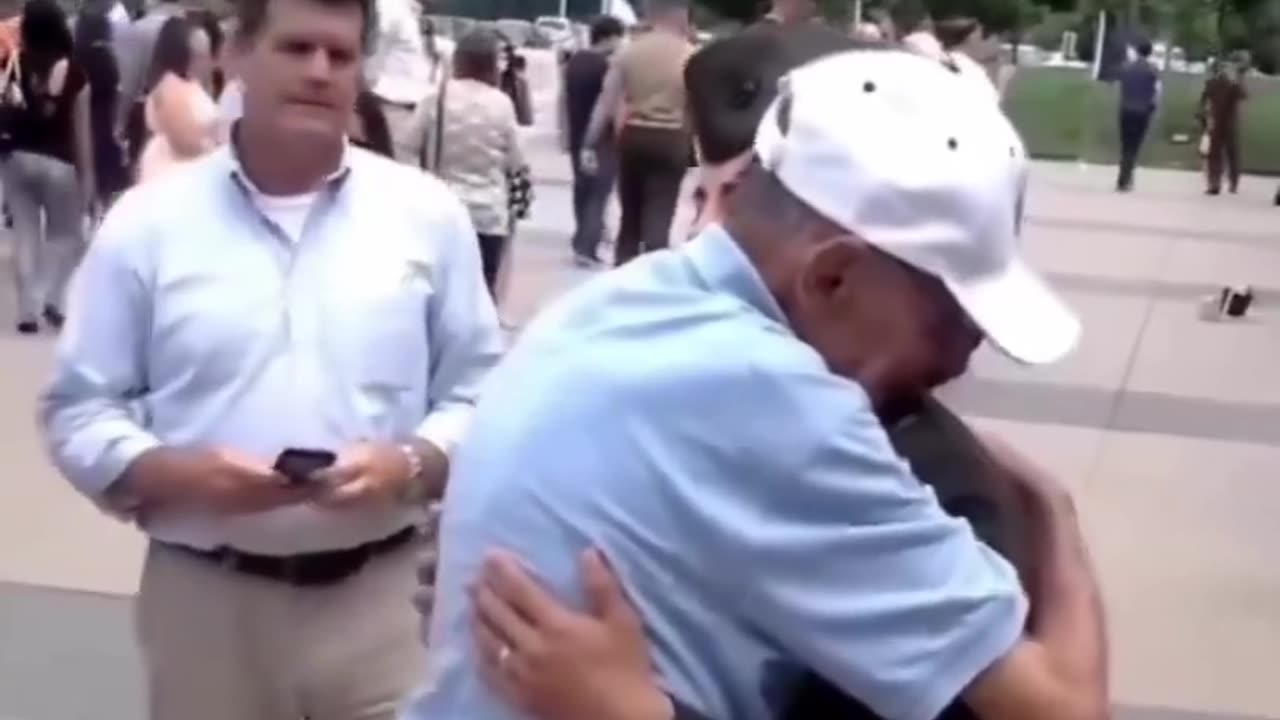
x,y
712,484
95,104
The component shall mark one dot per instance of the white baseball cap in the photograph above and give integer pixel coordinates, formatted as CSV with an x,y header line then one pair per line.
x,y
908,156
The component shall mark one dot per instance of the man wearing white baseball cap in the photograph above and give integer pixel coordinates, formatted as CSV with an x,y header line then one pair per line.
x,y
860,261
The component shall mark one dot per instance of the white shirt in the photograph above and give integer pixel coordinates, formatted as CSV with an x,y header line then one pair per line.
x,y
193,323
288,212
399,70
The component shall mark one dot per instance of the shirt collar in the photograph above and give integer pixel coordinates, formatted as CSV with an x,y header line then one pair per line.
x,y
228,157
723,266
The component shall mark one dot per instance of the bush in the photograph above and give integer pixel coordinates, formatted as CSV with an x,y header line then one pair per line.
x,y
1063,113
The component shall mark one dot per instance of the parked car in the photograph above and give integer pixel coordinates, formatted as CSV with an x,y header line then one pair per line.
x,y
558,30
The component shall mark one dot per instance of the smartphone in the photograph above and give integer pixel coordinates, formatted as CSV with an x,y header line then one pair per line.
x,y
300,464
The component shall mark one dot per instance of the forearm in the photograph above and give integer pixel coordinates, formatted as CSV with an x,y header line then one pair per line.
x,y
1067,614
93,442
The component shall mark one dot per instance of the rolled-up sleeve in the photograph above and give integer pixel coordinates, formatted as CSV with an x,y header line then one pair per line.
x,y
856,571
88,411
465,338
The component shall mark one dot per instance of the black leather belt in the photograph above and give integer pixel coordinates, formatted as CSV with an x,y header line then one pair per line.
x,y
309,569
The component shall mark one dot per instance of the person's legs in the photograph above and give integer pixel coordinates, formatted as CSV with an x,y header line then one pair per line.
x,y
64,232
662,196
1133,129
581,182
1214,162
22,193
216,644
632,170
362,651
595,201
1124,177
666,159
1231,154
491,247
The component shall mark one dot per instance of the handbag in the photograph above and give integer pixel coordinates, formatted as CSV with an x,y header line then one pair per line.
x,y
519,193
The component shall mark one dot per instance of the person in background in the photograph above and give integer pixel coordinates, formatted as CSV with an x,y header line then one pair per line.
x,y
398,72
1220,102
514,82
48,175
465,132
866,32
285,291
789,13
209,66
584,75
958,35
182,118
1139,88
135,48
95,53
645,86
431,44
369,128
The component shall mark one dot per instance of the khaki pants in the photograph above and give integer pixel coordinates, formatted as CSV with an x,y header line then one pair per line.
x,y
220,645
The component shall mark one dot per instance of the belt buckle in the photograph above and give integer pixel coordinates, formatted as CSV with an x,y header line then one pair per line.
x,y
291,571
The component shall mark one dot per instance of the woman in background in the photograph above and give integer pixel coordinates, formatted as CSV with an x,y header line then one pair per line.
x,y
93,38
369,128
465,132
48,177
207,61
181,115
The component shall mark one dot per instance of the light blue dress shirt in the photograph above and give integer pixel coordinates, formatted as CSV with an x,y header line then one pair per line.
x,y
749,499
195,320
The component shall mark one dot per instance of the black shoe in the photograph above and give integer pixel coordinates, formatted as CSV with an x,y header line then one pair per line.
x,y
1213,191
54,317
584,260
28,327
1277,200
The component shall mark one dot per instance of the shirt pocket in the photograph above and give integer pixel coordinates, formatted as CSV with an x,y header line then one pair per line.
x,y
391,322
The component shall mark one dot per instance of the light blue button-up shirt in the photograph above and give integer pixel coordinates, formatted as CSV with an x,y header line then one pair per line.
x,y
194,320
749,499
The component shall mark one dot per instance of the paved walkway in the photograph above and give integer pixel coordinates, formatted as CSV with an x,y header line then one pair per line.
x,y
1168,428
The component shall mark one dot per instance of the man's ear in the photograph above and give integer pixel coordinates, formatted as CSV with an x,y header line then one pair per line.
x,y
829,266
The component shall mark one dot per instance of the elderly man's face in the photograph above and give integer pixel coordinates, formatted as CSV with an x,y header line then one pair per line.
x,y
856,305
875,319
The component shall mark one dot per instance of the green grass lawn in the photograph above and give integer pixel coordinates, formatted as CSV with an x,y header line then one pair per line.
x,y
1062,113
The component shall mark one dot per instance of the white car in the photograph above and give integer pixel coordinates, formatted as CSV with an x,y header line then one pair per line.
x,y
558,30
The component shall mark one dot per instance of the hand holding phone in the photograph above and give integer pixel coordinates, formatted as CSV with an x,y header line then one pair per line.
x,y
300,464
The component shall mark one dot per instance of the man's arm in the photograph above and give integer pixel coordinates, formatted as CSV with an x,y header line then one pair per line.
x,y
861,576
465,338
1062,662
607,106
90,425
